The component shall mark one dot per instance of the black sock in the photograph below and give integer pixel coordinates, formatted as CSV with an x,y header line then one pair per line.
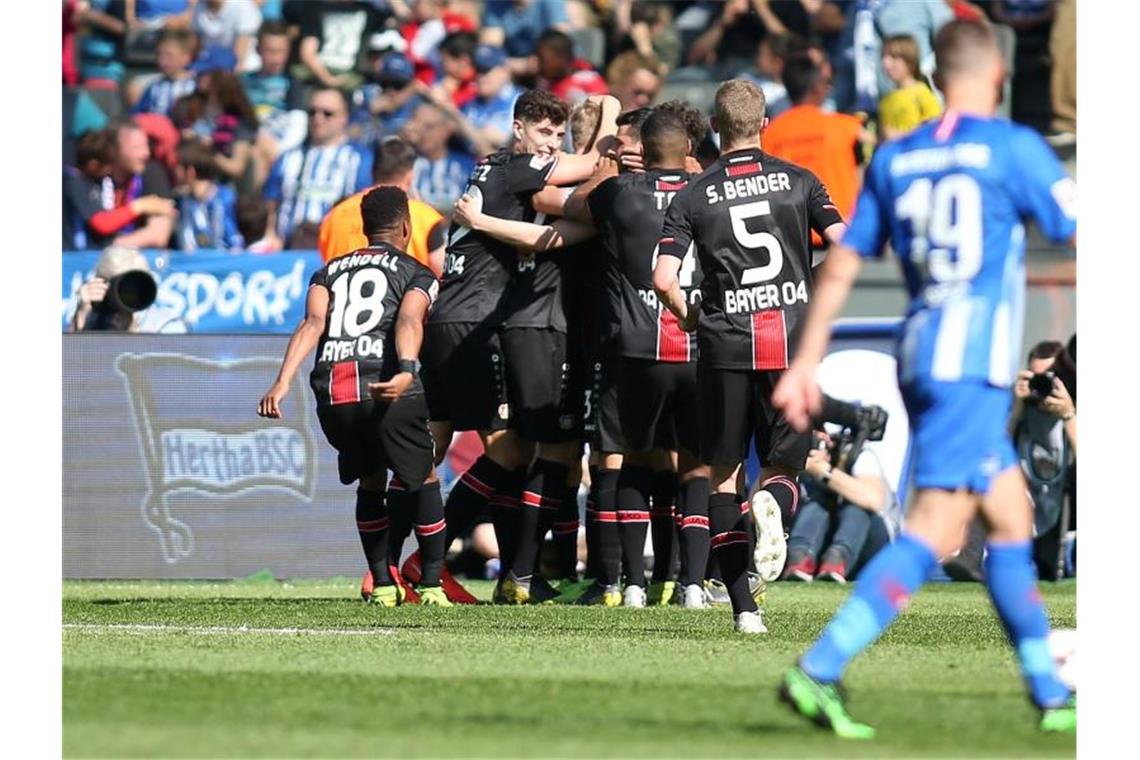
x,y
542,493
565,532
471,492
431,533
729,541
592,524
786,492
634,486
372,525
694,500
662,526
506,505
401,510
609,540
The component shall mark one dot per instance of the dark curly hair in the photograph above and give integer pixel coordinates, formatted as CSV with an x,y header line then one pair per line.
x,y
535,105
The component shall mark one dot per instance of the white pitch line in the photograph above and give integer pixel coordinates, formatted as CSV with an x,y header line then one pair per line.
x,y
217,629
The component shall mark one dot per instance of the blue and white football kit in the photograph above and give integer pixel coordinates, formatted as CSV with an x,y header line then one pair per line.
x,y
951,197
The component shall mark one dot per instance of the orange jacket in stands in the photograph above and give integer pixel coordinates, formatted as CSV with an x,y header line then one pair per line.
x,y
342,230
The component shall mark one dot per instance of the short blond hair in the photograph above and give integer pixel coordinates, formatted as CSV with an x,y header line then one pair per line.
x,y
623,67
739,109
584,122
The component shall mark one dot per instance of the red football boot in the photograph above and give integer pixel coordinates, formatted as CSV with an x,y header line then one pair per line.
x,y
452,588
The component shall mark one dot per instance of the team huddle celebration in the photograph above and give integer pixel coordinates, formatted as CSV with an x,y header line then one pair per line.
x,y
629,306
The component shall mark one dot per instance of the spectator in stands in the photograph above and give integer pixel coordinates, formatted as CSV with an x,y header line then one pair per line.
x,y
275,99
306,181
1063,77
516,25
561,73
491,111
1041,434
173,55
823,142
230,24
431,21
253,224
229,120
1024,15
920,19
912,101
102,43
89,218
634,80
207,214
457,67
773,53
729,43
133,176
850,512
647,28
440,173
342,229
386,104
334,34
159,14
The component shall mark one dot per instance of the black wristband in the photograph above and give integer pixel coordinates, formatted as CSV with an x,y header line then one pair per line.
x,y
410,365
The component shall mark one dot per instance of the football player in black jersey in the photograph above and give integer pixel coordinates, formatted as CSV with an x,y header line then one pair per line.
x,y
365,315
750,217
464,374
545,384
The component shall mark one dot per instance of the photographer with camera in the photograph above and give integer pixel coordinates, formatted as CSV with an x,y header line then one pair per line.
x,y
850,507
120,297
1044,431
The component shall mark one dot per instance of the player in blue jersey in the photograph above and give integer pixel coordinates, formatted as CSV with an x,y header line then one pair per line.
x,y
951,197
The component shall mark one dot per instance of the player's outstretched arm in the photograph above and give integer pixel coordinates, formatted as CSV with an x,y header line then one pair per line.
x,y
797,394
524,235
668,288
573,168
409,339
304,340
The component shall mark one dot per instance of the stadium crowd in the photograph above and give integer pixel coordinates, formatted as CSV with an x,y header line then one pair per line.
x,y
267,126
238,124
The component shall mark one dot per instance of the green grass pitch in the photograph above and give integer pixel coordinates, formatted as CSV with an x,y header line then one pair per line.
x,y
552,681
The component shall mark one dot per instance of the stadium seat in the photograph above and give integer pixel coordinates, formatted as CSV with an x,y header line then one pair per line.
x,y
590,43
700,94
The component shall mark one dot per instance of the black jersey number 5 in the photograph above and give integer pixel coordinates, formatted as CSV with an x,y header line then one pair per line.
x,y
756,240
355,313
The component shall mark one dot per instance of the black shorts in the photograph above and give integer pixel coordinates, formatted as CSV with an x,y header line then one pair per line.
x,y
737,404
659,405
602,427
371,437
544,385
463,376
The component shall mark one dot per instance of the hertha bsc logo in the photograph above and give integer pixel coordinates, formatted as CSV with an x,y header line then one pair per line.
x,y
198,435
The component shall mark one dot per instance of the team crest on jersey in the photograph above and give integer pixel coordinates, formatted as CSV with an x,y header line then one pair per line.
x,y
192,444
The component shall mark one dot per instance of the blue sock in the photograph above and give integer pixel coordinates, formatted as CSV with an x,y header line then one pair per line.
x,y
1012,582
883,588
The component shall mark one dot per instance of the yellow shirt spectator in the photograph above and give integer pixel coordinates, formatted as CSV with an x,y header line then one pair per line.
x,y
904,109
342,230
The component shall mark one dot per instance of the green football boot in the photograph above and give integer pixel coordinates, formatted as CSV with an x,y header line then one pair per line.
x,y
822,703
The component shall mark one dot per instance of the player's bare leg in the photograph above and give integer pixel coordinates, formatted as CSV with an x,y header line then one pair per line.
x,y
1012,583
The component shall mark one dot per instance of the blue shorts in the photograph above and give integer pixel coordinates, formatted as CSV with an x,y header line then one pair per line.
x,y
959,433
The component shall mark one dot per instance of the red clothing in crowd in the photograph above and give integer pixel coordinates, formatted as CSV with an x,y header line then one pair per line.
x,y
70,71
452,22
579,84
